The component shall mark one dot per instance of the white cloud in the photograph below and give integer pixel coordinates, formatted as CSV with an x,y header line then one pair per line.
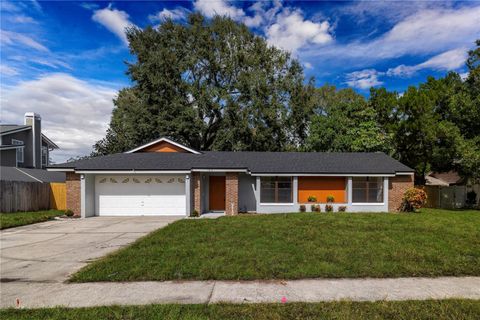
x,y
8,71
14,38
308,65
449,60
75,113
23,19
211,8
291,31
114,20
178,13
364,79
429,31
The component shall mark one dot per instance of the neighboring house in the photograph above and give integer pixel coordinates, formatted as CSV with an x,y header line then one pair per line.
x,y
30,175
448,190
450,178
166,178
25,146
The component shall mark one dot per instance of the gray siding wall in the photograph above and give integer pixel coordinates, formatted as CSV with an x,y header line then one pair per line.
x,y
26,137
8,158
247,201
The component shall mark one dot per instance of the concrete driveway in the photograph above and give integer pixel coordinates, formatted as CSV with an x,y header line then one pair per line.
x,y
51,251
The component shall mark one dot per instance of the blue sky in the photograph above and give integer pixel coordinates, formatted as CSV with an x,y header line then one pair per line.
x,y
65,59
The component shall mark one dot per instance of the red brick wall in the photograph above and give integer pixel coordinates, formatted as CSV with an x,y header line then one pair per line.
x,y
231,196
396,188
73,192
197,196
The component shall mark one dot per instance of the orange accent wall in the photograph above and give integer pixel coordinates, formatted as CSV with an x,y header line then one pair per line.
x,y
321,187
162,146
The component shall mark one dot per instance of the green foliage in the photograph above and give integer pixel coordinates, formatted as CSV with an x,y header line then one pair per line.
x,y
316,208
330,198
312,199
328,208
194,214
303,208
212,85
69,213
414,199
342,209
16,219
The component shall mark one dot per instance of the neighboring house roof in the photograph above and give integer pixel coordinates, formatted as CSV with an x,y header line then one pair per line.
x,y
12,128
450,178
254,162
30,175
431,181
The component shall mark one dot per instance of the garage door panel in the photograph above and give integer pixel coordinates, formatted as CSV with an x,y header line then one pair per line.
x,y
140,195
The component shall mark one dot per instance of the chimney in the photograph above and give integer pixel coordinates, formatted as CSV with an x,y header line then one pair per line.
x,y
35,121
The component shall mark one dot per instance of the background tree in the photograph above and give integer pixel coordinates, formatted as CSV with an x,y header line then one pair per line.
x,y
343,121
211,84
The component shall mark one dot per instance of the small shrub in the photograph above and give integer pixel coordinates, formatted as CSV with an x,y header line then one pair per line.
x,y
69,213
328,208
342,209
330,199
312,199
194,214
414,199
303,208
471,199
315,208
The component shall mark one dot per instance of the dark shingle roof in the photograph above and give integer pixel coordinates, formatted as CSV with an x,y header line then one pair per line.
x,y
256,162
30,175
5,128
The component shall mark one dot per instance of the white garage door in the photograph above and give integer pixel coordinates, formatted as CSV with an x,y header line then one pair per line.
x,y
140,195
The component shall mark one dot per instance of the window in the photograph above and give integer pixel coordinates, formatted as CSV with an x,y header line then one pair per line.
x,y
367,189
44,156
276,190
19,150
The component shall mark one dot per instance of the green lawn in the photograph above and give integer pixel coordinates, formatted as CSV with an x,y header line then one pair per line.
x,y
16,219
430,309
301,245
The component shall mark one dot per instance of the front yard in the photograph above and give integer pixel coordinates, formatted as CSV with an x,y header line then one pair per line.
x,y
430,309
301,245
16,219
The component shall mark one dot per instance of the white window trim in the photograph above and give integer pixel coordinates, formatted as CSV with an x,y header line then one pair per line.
x,y
276,204
368,203
19,142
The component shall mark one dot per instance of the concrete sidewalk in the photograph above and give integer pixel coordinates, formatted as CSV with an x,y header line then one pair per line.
x,y
35,294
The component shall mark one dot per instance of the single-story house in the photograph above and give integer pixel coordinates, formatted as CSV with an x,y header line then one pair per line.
x,y
164,177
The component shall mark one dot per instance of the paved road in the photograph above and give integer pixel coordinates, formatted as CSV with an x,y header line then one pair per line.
x,y
51,251
36,259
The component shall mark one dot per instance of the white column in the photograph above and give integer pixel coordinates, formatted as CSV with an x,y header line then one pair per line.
x,y
349,191
295,189
82,196
385,192
187,195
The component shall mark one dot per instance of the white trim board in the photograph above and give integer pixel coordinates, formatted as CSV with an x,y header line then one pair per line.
x,y
319,175
166,140
131,172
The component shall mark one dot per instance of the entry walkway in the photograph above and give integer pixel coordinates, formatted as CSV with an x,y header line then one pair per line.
x,y
36,294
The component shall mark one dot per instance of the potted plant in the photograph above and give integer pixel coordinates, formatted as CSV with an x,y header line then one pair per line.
x,y
303,208
342,208
328,208
312,199
330,199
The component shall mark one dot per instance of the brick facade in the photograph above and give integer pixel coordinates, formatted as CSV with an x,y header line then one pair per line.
x,y
231,193
396,188
72,183
197,192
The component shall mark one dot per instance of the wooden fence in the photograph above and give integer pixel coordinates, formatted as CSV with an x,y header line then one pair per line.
x,y
31,196
452,197
58,195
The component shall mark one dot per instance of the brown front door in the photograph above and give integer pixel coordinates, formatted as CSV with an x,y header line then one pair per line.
x,y
216,193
